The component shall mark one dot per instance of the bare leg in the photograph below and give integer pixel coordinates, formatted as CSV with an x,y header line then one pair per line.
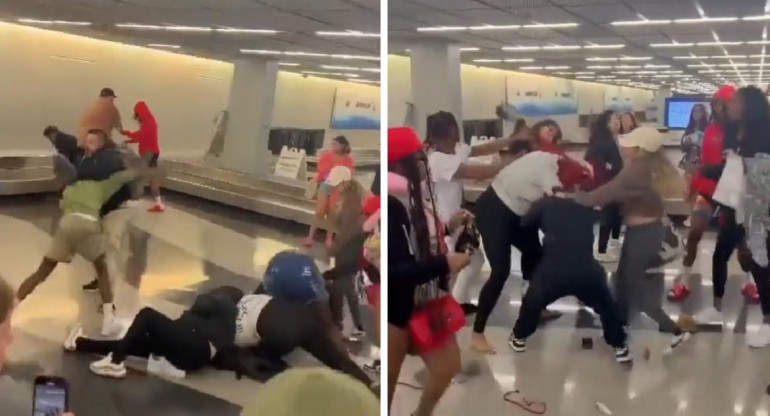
x,y
155,187
443,364
321,204
103,279
398,345
45,269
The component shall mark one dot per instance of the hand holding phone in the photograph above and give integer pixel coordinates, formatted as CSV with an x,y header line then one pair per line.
x,y
51,397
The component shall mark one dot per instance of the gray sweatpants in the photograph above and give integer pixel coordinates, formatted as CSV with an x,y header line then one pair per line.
x,y
636,290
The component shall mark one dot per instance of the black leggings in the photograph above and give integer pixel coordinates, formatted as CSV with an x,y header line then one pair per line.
x,y
610,225
586,280
731,236
154,333
500,228
284,326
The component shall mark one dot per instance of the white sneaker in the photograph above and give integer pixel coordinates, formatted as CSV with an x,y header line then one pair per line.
x,y
132,203
607,257
106,368
676,342
111,327
614,245
70,343
759,338
161,367
357,335
709,316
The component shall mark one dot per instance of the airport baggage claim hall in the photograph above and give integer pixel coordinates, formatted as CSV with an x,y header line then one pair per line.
x,y
490,63
244,98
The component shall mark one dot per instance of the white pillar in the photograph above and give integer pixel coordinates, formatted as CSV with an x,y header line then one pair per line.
x,y
660,101
436,83
252,97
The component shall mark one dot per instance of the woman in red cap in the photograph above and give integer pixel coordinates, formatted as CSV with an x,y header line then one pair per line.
x,y
728,239
418,265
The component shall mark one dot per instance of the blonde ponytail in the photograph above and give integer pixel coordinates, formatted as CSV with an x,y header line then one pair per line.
x,y
666,179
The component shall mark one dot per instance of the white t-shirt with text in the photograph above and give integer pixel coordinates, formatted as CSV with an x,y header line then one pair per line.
x,y
448,189
249,308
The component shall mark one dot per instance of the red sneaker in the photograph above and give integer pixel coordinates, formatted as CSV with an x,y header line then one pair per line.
x,y
678,292
750,292
157,208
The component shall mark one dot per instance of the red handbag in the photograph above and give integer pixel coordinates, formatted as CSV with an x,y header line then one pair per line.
x,y
434,322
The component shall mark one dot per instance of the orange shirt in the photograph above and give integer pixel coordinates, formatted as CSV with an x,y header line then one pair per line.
x,y
328,160
101,114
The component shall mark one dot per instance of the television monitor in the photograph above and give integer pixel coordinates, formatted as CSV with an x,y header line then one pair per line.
x,y
677,114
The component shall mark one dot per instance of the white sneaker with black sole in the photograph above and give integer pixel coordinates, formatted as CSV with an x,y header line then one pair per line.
x,y
357,335
161,367
518,345
607,257
106,368
111,327
623,355
70,343
677,342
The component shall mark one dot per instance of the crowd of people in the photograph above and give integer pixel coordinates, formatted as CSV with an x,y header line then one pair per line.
x,y
621,183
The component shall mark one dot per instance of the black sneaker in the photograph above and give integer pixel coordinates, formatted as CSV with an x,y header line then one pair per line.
x,y
91,287
518,345
623,355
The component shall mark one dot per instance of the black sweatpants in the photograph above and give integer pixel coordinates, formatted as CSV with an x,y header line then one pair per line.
x,y
610,226
501,229
586,280
154,333
731,236
284,326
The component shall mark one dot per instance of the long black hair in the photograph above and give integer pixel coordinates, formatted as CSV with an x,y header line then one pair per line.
x,y
753,124
600,130
440,125
409,167
693,125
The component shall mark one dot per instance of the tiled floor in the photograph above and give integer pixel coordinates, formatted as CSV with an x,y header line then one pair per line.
x,y
715,374
194,246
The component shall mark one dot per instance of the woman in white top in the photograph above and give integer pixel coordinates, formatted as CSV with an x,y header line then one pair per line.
x,y
448,160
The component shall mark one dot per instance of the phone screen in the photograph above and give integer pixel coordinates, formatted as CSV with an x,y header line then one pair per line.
x,y
50,399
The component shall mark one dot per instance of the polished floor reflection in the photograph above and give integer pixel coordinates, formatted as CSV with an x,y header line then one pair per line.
x,y
162,261
715,374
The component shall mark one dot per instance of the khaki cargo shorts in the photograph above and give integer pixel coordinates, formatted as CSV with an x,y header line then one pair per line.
x,y
77,234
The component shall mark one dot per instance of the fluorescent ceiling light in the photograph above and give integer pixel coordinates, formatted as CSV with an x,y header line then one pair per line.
x,y
170,28
727,56
365,81
657,66
470,49
599,67
707,20
491,61
671,45
719,43
288,64
530,68
521,48
635,58
601,59
334,74
308,54
690,57
348,33
627,66
238,30
356,57
561,47
495,27
759,42
585,77
623,72
557,67
442,29
615,46
53,22
640,22
519,60
300,53
163,46
759,17
349,68
550,25
585,73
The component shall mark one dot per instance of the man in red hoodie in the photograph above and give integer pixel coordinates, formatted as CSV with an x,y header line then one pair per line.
x,y
711,154
147,138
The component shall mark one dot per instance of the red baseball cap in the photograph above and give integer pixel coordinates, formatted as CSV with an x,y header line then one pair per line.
x,y
402,142
371,204
725,93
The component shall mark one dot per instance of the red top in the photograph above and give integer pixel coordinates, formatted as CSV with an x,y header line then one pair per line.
x,y
328,160
710,154
147,135
571,172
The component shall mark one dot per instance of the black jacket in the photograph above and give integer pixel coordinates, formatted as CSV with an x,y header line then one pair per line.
x,y
568,228
605,157
100,166
67,146
405,272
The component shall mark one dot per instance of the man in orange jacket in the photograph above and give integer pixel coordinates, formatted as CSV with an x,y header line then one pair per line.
x,y
100,115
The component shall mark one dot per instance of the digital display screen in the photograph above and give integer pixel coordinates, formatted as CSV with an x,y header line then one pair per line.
x,y
50,400
678,111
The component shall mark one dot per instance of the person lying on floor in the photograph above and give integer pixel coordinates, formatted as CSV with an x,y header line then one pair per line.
x,y
202,335
568,268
